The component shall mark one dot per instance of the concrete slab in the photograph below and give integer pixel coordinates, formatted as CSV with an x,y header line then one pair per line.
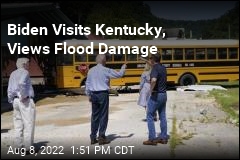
x,y
199,88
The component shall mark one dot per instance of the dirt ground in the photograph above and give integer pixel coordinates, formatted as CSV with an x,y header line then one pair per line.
x,y
197,127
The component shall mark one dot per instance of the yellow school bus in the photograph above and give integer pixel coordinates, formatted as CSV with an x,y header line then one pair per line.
x,y
187,61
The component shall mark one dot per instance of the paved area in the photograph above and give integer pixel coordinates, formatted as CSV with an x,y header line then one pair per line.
x,y
198,129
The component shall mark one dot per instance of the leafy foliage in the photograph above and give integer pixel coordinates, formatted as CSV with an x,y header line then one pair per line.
x,y
137,13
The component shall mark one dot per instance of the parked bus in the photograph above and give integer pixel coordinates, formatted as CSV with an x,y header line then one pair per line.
x,y
187,61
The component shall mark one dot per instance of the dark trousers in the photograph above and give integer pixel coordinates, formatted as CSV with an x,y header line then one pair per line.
x,y
99,119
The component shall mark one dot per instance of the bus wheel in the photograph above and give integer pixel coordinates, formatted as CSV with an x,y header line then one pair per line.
x,y
187,79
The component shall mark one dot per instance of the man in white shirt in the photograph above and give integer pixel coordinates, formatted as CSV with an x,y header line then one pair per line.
x,y
20,94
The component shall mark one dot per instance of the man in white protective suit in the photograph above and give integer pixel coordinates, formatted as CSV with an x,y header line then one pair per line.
x,y
20,94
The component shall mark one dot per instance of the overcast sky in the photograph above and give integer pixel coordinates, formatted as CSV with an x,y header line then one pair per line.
x,y
190,10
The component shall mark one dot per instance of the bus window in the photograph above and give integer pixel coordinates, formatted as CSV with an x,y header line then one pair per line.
x,y
178,53
64,59
200,53
232,53
119,57
81,57
92,57
167,54
222,53
108,57
143,53
131,56
211,53
189,53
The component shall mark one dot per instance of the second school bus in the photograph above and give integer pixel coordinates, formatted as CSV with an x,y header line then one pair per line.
x,y
187,61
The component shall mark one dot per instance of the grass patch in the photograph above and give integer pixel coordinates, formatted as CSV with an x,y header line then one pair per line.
x,y
198,95
201,94
229,101
175,138
188,136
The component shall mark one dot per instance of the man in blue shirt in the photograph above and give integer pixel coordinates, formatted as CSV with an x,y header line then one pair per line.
x,y
97,86
157,102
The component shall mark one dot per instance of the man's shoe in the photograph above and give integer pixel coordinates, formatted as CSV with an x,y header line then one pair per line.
x,y
149,142
102,141
162,141
94,141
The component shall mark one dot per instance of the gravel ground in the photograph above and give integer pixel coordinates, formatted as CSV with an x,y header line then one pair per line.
x,y
201,129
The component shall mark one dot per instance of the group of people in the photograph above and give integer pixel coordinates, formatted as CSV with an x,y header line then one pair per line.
x,y
152,96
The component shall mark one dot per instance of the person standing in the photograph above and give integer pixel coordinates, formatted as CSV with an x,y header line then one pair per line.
x,y
97,86
20,94
157,102
144,88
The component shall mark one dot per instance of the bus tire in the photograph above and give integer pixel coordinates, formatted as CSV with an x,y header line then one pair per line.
x,y
187,79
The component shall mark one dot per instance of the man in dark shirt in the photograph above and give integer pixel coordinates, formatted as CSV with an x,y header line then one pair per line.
x,y
157,102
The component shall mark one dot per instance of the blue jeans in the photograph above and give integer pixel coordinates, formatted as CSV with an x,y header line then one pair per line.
x,y
157,102
100,109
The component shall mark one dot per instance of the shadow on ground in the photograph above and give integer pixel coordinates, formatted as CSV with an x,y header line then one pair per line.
x,y
40,145
112,137
4,130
